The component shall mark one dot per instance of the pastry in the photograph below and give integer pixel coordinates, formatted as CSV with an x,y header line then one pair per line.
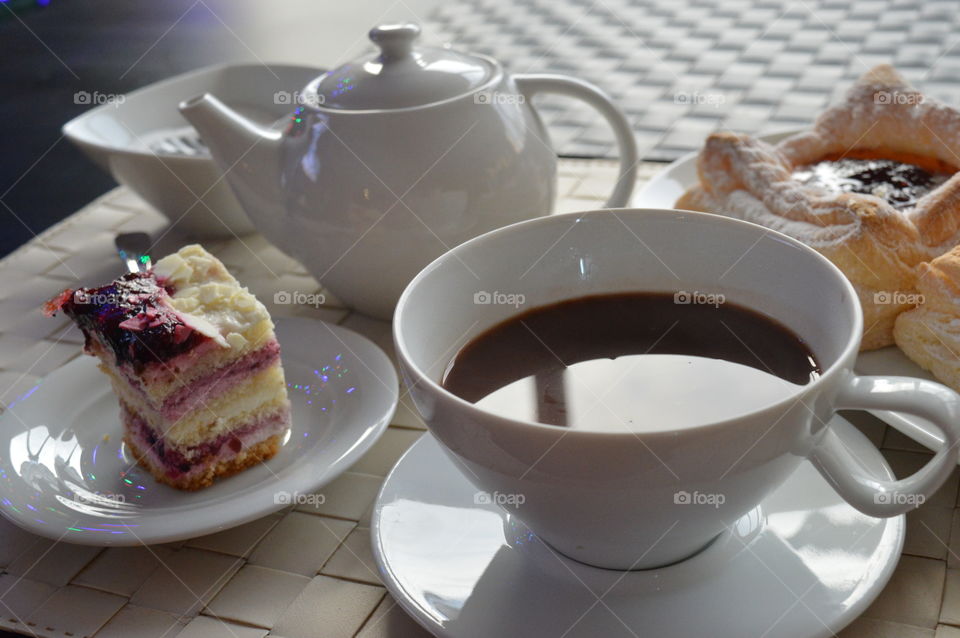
x,y
193,359
872,186
930,333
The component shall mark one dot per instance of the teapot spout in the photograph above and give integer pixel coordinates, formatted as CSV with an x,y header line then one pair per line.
x,y
247,153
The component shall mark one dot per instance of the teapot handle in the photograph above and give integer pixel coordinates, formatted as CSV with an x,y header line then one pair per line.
x,y
533,83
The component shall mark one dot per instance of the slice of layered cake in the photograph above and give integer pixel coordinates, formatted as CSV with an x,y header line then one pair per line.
x,y
194,360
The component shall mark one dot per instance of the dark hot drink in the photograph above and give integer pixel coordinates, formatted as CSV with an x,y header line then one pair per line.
x,y
635,361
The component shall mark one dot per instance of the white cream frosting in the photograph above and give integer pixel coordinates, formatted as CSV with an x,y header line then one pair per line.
x,y
208,297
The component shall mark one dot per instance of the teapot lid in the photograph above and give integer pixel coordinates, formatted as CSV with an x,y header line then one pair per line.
x,y
399,75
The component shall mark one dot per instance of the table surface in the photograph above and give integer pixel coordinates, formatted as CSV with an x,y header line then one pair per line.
x,y
681,69
308,570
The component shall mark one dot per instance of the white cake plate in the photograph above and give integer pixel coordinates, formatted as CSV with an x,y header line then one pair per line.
x,y
66,474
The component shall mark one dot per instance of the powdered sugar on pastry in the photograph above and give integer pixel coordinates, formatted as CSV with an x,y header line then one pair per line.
x,y
930,333
875,243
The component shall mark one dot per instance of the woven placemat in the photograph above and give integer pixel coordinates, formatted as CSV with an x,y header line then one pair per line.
x,y
308,570
682,68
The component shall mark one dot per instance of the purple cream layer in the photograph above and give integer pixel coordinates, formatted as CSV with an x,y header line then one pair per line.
x,y
210,385
180,462
218,381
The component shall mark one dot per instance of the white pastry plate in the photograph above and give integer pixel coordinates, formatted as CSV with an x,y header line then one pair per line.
x,y
803,564
662,192
66,474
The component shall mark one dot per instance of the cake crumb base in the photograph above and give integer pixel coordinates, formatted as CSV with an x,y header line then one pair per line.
x,y
262,451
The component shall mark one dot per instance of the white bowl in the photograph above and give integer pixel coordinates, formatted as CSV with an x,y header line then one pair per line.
x,y
144,143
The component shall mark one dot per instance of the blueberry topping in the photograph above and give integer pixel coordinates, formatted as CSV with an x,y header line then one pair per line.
x,y
130,316
899,183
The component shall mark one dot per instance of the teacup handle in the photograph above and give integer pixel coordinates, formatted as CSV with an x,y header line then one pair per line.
x,y
533,83
876,496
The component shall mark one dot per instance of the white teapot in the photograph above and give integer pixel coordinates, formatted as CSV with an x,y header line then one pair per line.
x,y
389,161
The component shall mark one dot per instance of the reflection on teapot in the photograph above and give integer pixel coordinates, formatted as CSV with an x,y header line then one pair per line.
x,y
390,161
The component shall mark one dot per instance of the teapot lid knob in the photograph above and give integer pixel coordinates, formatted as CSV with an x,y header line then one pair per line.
x,y
401,75
395,40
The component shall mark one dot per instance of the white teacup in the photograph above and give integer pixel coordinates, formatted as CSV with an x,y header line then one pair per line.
x,y
632,500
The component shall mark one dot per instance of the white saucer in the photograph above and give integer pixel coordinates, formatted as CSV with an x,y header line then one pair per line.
x,y
803,564
663,190
66,474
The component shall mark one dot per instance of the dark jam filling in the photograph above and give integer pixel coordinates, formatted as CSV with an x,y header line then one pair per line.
x,y
176,462
899,183
128,316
